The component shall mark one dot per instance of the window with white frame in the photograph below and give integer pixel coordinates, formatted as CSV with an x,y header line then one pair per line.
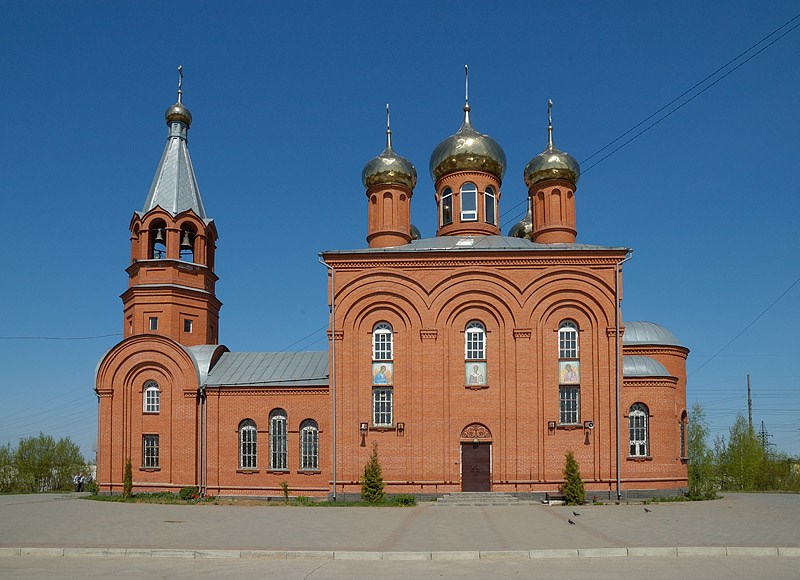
x,y
569,391
683,435
469,202
309,445
153,324
278,448
152,397
446,204
382,342
638,429
149,450
248,441
569,405
475,341
489,206
382,406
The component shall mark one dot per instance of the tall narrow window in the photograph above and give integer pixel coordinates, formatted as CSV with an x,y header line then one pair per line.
x,y
278,448
382,342
446,204
489,205
152,397
149,450
309,445
382,406
638,428
153,323
569,378
475,353
683,435
469,202
248,450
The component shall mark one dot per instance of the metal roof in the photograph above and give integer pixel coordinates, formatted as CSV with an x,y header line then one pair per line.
x,y
648,333
474,244
270,369
174,186
642,366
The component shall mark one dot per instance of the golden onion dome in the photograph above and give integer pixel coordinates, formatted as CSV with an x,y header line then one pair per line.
x,y
178,112
389,168
467,150
552,163
523,228
415,235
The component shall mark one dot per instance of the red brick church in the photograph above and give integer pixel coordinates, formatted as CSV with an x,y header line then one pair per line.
x,y
473,360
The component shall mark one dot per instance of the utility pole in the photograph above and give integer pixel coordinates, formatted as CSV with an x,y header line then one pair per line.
x,y
749,405
765,437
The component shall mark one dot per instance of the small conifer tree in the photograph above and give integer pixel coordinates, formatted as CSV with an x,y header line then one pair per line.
x,y
574,493
372,482
127,479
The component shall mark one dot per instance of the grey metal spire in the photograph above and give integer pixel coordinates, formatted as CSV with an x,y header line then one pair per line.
x,y
174,186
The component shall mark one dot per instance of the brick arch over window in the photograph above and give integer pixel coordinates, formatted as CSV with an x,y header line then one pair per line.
x,y
476,431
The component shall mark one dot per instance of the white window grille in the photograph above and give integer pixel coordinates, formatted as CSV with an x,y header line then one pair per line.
x,y
278,448
568,340
382,342
150,450
569,405
475,341
382,406
446,204
469,202
309,445
637,426
152,397
248,444
489,205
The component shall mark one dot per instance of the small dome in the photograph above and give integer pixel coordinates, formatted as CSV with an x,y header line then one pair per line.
x,y
648,333
552,164
178,112
642,366
389,168
523,228
467,150
415,235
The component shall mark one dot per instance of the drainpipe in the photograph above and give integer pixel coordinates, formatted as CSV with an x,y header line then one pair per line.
x,y
617,272
333,364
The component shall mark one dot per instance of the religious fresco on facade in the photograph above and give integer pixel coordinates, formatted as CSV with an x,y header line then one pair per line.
x,y
475,373
569,372
382,373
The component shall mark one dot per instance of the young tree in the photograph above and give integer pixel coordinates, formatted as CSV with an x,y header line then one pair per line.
x,y
574,492
127,479
372,483
744,456
8,471
701,459
44,464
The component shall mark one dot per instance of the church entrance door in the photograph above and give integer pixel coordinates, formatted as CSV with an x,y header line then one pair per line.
x,y
476,474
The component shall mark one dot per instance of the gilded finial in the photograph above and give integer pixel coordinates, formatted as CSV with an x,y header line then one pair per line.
x,y
388,128
466,94
180,83
550,123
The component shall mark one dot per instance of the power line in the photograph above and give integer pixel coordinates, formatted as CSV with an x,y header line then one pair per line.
x,y
59,337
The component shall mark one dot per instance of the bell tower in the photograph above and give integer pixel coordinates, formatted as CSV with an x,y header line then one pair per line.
x,y
171,288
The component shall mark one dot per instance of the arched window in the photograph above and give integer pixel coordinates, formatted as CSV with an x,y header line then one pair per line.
x,y
475,341
248,451
568,340
683,422
569,390
152,397
446,205
309,445
278,449
382,342
188,237
469,202
638,428
158,240
489,206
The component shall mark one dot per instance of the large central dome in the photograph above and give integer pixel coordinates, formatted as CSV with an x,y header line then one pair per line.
x,y
467,150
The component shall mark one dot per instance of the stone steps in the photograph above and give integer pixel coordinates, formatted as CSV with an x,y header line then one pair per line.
x,y
465,498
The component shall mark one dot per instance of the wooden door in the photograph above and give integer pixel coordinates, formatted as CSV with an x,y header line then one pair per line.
x,y
476,474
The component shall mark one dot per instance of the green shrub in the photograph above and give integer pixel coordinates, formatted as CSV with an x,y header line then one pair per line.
x,y
127,479
285,490
372,483
574,492
303,500
187,493
404,499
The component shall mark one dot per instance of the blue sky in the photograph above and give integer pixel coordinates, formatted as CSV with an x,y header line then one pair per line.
x,y
288,105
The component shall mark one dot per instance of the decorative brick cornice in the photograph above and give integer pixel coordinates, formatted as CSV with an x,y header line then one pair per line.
x,y
338,335
520,333
670,382
474,258
105,393
236,391
428,334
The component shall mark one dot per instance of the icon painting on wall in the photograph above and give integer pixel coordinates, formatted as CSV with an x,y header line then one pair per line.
x,y
475,373
382,373
569,372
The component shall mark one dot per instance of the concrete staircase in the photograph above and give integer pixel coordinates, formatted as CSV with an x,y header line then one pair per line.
x,y
480,498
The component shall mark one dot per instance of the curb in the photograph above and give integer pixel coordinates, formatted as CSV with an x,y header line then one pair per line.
x,y
452,555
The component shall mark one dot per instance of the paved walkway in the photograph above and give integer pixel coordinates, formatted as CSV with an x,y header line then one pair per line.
x,y
54,525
